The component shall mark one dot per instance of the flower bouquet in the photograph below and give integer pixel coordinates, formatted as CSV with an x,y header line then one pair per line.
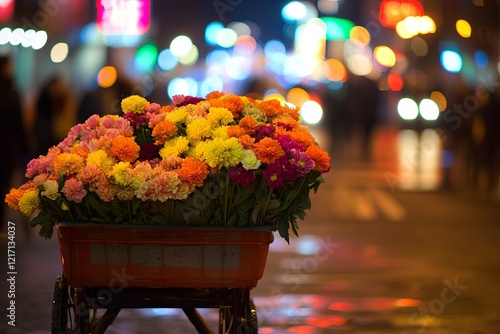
x,y
223,160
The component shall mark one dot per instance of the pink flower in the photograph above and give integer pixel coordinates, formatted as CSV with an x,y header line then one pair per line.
x,y
73,190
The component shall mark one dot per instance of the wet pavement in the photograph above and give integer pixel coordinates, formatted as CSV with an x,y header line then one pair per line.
x,y
374,256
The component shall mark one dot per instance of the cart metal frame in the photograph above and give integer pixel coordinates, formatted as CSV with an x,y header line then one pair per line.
x,y
74,310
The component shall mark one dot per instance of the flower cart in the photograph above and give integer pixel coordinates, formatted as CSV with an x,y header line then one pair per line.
x,y
112,268
171,206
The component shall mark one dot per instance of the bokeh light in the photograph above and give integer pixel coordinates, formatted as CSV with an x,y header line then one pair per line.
x,y
335,70
361,34
181,45
191,57
297,96
451,61
385,56
167,60
395,82
146,57
211,32
407,108
428,110
226,38
59,52
464,28
439,99
182,86
294,11
311,112
107,76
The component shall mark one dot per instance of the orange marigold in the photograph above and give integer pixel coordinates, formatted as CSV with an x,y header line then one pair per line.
x,y
247,141
235,131
320,157
164,131
166,109
214,95
303,137
231,102
270,107
193,171
268,150
249,124
125,148
13,197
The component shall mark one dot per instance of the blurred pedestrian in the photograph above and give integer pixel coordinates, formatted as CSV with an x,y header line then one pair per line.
x,y
14,144
52,107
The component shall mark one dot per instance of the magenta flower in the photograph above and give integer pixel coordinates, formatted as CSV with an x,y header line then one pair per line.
x,y
273,174
301,162
264,131
148,152
289,145
241,176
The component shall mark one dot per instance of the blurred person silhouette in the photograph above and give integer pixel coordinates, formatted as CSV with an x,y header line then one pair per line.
x,y
104,101
14,143
53,115
362,104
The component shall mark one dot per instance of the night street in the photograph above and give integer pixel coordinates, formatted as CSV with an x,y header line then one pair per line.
x,y
371,258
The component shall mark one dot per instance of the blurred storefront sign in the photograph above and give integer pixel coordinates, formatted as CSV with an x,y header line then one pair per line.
x,y
123,17
393,11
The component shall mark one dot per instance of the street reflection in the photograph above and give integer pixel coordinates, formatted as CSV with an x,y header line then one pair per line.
x,y
419,159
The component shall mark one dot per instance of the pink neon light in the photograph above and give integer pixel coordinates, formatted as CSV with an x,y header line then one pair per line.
x,y
123,17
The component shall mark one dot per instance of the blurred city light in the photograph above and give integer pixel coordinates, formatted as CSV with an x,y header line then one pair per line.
x,y
328,6
311,112
464,28
335,70
6,9
181,45
407,108
167,60
451,61
238,68
419,46
29,38
59,52
385,56
428,110
182,86
123,17
107,76
481,59
211,32
337,28
297,96
191,57
360,34
245,45
393,11
294,11
226,38
395,81
146,57
439,99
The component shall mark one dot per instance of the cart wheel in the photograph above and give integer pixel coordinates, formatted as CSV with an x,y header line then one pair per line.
x,y
60,309
241,325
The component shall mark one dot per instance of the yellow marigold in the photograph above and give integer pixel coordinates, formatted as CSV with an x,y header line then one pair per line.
x,y
193,171
234,152
249,124
214,152
164,131
125,148
178,115
67,164
268,150
175,147
219,116
135,104
198,151
220,132
100,159
29,202
198,129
